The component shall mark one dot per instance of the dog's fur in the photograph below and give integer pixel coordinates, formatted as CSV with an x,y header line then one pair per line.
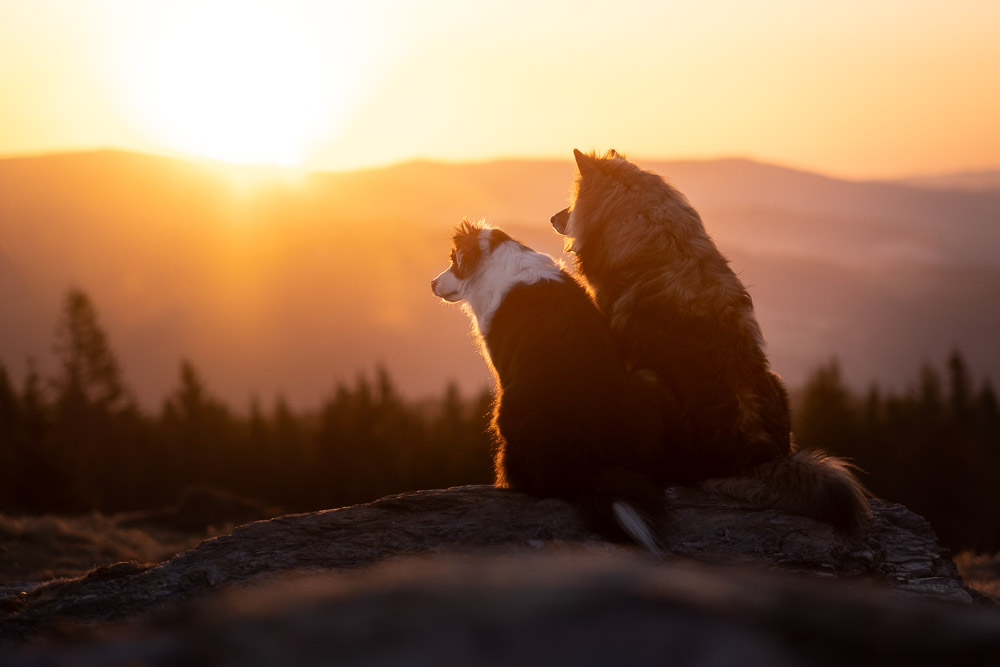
x,y
570,421
677,309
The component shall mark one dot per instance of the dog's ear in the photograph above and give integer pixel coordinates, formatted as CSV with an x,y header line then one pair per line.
x,y
497,236
584,162
465,251
613,153
465,228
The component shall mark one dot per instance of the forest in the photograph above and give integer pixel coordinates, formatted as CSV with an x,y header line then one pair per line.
x,y
80,442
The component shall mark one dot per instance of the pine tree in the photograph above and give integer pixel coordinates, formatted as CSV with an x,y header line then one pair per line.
x,y
91,401
10,438
90,371
8,411
959,388
827,417
35,451
204,434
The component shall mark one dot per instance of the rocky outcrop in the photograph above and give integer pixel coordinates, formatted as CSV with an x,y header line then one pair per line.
x,y
898,554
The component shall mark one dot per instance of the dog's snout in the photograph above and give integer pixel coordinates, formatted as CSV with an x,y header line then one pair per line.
x,y
559,220
434,284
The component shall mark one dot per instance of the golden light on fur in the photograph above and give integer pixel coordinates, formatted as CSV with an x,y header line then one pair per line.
x,y
679,312
808,482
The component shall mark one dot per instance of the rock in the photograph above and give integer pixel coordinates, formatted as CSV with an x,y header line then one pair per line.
x,y
898,554
569,606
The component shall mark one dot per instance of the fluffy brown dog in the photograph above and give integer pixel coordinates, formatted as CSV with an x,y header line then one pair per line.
x,y
677,309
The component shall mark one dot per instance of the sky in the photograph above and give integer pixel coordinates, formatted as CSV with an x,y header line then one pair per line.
x,y
854,89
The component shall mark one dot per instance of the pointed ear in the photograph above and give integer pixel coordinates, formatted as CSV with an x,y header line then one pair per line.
x,y
498,236
584,162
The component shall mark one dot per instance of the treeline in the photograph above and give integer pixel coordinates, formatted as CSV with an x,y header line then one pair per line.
x,y
934,447
78,441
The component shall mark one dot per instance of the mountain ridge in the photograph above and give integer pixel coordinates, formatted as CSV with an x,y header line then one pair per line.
x,y
278,281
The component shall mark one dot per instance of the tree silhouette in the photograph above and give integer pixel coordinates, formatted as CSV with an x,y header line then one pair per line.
x,y
8,409
92,410
960,388
90,371
827,411
27,452
200,430
10,440
78,442
934,448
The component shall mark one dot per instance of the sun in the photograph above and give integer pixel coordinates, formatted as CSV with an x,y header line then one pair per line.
x,y
244,82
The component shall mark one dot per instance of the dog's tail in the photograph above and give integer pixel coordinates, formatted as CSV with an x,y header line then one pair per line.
x,y
807,482
626,502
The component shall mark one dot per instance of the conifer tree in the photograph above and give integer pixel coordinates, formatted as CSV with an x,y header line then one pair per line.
x,y
90,402
89,369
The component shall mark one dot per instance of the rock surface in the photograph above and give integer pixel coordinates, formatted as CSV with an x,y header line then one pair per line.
x,y
898,554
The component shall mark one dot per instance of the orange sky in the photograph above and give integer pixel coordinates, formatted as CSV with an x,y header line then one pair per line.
x,y
856,89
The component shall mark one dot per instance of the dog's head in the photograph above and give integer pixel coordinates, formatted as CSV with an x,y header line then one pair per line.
x,y
598,178
485,263
618,211
471,250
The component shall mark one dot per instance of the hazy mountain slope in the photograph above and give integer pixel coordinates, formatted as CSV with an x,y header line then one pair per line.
x,y
975,181
290,284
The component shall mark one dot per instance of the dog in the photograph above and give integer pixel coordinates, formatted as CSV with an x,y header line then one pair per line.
x,y
679,311
568,419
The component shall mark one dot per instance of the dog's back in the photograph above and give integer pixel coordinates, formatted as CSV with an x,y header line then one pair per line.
x,y
678,309
565,405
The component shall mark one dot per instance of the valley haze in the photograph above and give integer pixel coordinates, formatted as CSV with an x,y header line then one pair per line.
x,y
275,282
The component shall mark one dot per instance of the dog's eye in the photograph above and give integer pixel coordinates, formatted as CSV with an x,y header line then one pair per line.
x,y
456,263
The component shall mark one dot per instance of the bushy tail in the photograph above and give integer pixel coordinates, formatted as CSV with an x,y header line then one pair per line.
x,y
807,482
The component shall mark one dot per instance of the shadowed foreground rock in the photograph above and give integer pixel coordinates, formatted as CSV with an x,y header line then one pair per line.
x,y
294,584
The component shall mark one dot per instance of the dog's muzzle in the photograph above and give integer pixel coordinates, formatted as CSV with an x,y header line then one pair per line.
x,y
444,287
559,221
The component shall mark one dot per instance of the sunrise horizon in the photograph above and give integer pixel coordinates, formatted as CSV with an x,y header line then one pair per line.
x,y
848,90
363,165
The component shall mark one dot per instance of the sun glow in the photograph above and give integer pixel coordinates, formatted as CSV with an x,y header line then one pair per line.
x,y
858,89
245,82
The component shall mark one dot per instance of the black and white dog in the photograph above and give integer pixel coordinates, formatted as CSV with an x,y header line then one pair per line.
x,y
569,420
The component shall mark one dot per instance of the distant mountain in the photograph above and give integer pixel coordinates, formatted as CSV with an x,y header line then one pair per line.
x,y
973,181
270,282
